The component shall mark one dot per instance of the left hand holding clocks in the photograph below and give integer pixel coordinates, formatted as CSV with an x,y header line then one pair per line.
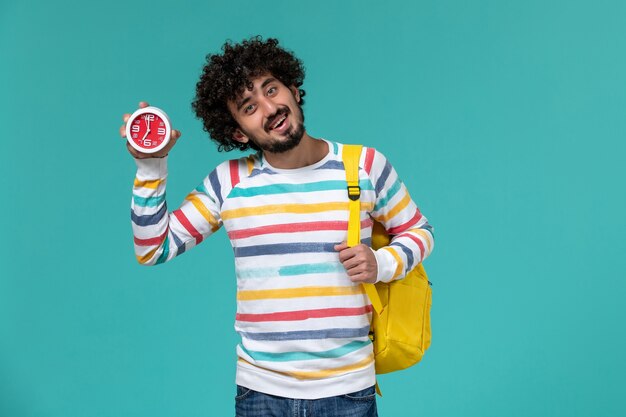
x,y
146,137
359,261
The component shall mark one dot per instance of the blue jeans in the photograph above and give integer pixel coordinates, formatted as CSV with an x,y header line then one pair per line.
x,y
249,403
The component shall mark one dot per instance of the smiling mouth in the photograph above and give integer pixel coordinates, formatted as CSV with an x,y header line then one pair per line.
x,y
278,121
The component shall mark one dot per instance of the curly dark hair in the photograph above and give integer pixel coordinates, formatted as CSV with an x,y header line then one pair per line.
x,y
225,76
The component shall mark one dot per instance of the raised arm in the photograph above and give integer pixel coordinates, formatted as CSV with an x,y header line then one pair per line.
x,y
160,235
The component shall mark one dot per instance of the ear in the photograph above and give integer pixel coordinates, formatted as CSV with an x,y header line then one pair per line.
x,y
296,92
239,136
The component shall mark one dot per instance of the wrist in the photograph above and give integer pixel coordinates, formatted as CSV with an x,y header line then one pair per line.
x,y
151,168
386,265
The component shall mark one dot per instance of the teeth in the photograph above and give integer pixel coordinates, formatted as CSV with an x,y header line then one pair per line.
x,y
279,121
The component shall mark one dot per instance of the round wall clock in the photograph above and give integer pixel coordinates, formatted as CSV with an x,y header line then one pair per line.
x,y
148,130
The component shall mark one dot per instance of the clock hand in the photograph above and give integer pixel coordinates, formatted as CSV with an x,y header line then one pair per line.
x,y
144,136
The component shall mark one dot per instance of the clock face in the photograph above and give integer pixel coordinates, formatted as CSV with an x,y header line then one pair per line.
x,y
148,131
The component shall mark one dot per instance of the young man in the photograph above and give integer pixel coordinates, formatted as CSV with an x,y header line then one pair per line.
x,y
302,313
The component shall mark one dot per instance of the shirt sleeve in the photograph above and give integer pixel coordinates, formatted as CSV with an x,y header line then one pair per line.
x,y
160,235
412,238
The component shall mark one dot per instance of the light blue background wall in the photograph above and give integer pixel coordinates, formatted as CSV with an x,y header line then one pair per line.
x,y
506,119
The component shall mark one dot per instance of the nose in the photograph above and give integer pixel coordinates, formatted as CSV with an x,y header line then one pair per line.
x,y
268,106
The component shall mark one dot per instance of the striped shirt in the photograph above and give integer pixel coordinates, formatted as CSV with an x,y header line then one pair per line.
x,y
303,324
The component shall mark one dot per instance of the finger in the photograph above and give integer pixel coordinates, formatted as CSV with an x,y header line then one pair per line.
x,y
123,131
357,277
346,254
353,272
125,117
174,136
363,277
352,263
143,104
341,246
132,150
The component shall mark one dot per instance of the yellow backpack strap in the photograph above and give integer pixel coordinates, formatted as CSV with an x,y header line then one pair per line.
x,y
351,155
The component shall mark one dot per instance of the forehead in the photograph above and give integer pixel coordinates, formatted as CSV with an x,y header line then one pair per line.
x,y
255,83
253,86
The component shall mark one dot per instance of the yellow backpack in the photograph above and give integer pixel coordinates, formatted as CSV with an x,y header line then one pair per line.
x,y
400,329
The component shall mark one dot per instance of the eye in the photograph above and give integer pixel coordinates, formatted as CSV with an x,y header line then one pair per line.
x,y
248,109
271,91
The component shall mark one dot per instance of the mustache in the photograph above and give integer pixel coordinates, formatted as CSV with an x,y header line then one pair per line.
x,y
280,112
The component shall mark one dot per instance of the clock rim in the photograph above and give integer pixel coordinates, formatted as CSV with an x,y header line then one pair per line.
x,y
166,121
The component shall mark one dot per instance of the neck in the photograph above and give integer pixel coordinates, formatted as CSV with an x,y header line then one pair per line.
x,y
308,152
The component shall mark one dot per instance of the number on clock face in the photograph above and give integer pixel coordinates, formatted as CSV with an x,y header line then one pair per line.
x,y
148,130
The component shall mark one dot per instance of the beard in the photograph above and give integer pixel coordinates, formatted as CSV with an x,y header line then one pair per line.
x,y
293,136
293,139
